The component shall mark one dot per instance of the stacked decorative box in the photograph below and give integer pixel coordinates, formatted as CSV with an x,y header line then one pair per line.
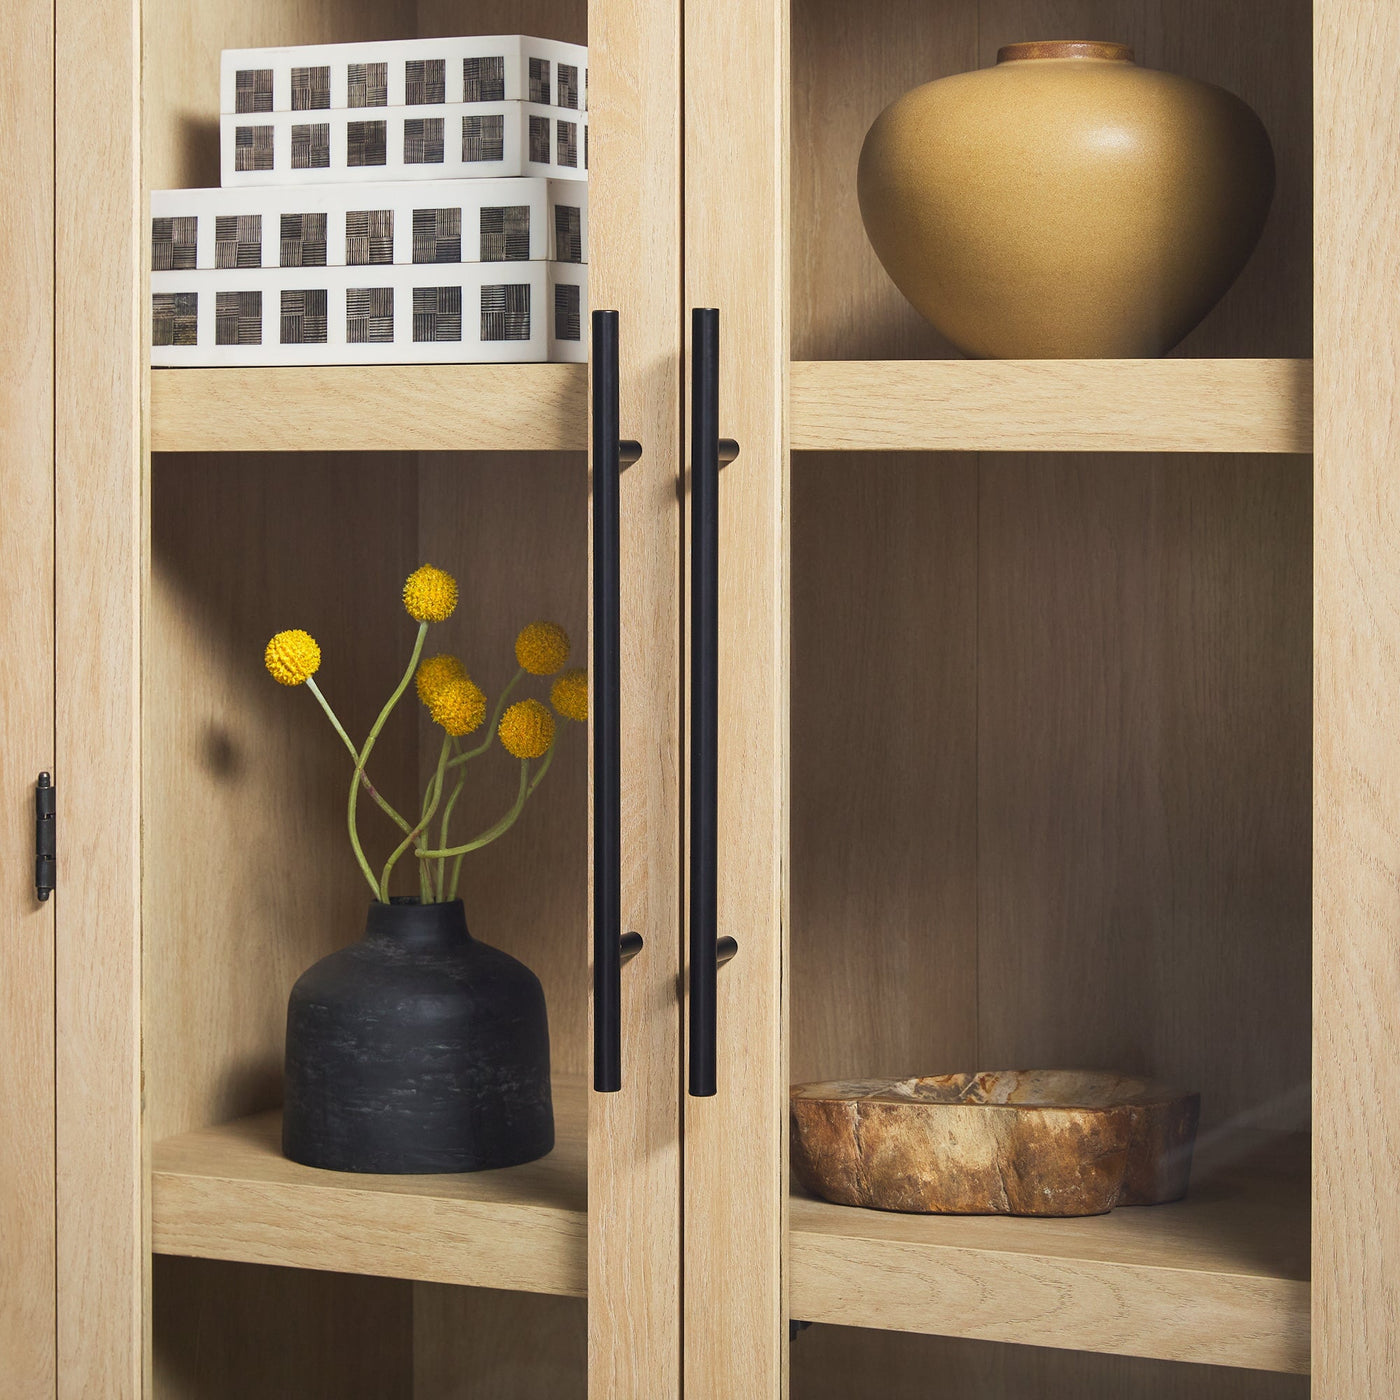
x,y
422,201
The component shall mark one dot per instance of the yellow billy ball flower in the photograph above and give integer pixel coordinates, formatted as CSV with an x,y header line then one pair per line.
x,y
569,695
542,648
527,729
293,657
458,705
434,672
430,594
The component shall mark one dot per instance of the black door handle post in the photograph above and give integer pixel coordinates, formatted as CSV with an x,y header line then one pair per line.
x,y
707,454
610,455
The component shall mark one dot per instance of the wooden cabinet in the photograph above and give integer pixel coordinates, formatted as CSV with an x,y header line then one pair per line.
x,y
1054,728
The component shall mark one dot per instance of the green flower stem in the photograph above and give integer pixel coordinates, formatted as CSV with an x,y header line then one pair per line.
x,y
492,727
441,874
354,835
457,762
363,759
430,806
491,833
491,836
354,753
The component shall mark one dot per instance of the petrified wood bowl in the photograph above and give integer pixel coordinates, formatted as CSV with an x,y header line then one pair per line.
x,y
1006,1142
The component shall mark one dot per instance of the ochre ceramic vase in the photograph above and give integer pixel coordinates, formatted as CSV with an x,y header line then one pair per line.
x,y
1066,203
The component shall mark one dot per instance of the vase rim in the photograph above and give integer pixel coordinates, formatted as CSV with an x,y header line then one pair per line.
x,y
405,923
1065,48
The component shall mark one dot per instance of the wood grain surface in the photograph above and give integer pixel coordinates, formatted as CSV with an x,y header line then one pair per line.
x,y
736,237
837,1363
487,1344
512,531
228,1193
233,1331
1219,1278
1356,775
27,1226
1052,405
366,408
238,906
635,1264
99,492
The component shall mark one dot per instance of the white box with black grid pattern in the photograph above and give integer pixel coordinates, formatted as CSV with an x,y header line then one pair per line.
x,y
455,141
404,73
523,220
388,314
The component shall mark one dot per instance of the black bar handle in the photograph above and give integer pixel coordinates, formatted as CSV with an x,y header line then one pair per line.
x,y
708,452
610,948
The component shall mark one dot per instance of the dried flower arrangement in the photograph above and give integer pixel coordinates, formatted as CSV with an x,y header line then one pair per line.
x,y
458,705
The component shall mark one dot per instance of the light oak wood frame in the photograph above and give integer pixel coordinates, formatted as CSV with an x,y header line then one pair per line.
x,y
27,1225
736,240
100,495
1356,778
634,1135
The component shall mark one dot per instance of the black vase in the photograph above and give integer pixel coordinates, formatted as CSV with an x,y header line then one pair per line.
x,y
417,1050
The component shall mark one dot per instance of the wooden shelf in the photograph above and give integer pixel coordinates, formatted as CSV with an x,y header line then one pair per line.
x,y
1220,1278
375,408
228,1193
1051,405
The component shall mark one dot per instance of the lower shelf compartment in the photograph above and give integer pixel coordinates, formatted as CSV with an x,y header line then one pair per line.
x,y
228,1193
1220,1278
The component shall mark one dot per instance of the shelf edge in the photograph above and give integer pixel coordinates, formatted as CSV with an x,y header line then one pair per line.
x,y
378,408
1171,1314
426,1238
1256,406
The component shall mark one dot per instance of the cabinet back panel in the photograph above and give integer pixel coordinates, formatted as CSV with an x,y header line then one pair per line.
x,y
487,1344
249,876
850,62
514,531
236,1331
182,46
1051,728
884,763
182,43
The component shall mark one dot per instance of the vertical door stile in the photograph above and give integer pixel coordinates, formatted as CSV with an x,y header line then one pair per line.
x,y
736,260
26,710
99,473
1356,676
634,1144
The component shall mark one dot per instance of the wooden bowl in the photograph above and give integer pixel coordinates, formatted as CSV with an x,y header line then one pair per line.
x,y
1004,1142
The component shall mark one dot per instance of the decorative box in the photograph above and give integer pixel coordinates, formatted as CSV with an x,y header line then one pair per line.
x,y
464,312
437,221
405,73
449,141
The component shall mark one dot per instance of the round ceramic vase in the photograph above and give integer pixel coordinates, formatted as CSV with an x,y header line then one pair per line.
x,y
417,1049
1066,203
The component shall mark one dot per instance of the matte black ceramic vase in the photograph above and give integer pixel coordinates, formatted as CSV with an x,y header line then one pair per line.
x,y
417,1050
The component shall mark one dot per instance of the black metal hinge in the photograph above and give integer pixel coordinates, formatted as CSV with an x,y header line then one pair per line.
x,y
45,842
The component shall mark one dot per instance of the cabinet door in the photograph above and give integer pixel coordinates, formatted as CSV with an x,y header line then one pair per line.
x,y
1021,812
26,703
634,1148
736,262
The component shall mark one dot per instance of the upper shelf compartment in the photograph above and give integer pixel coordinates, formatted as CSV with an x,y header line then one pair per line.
x,y
371,408
849,62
